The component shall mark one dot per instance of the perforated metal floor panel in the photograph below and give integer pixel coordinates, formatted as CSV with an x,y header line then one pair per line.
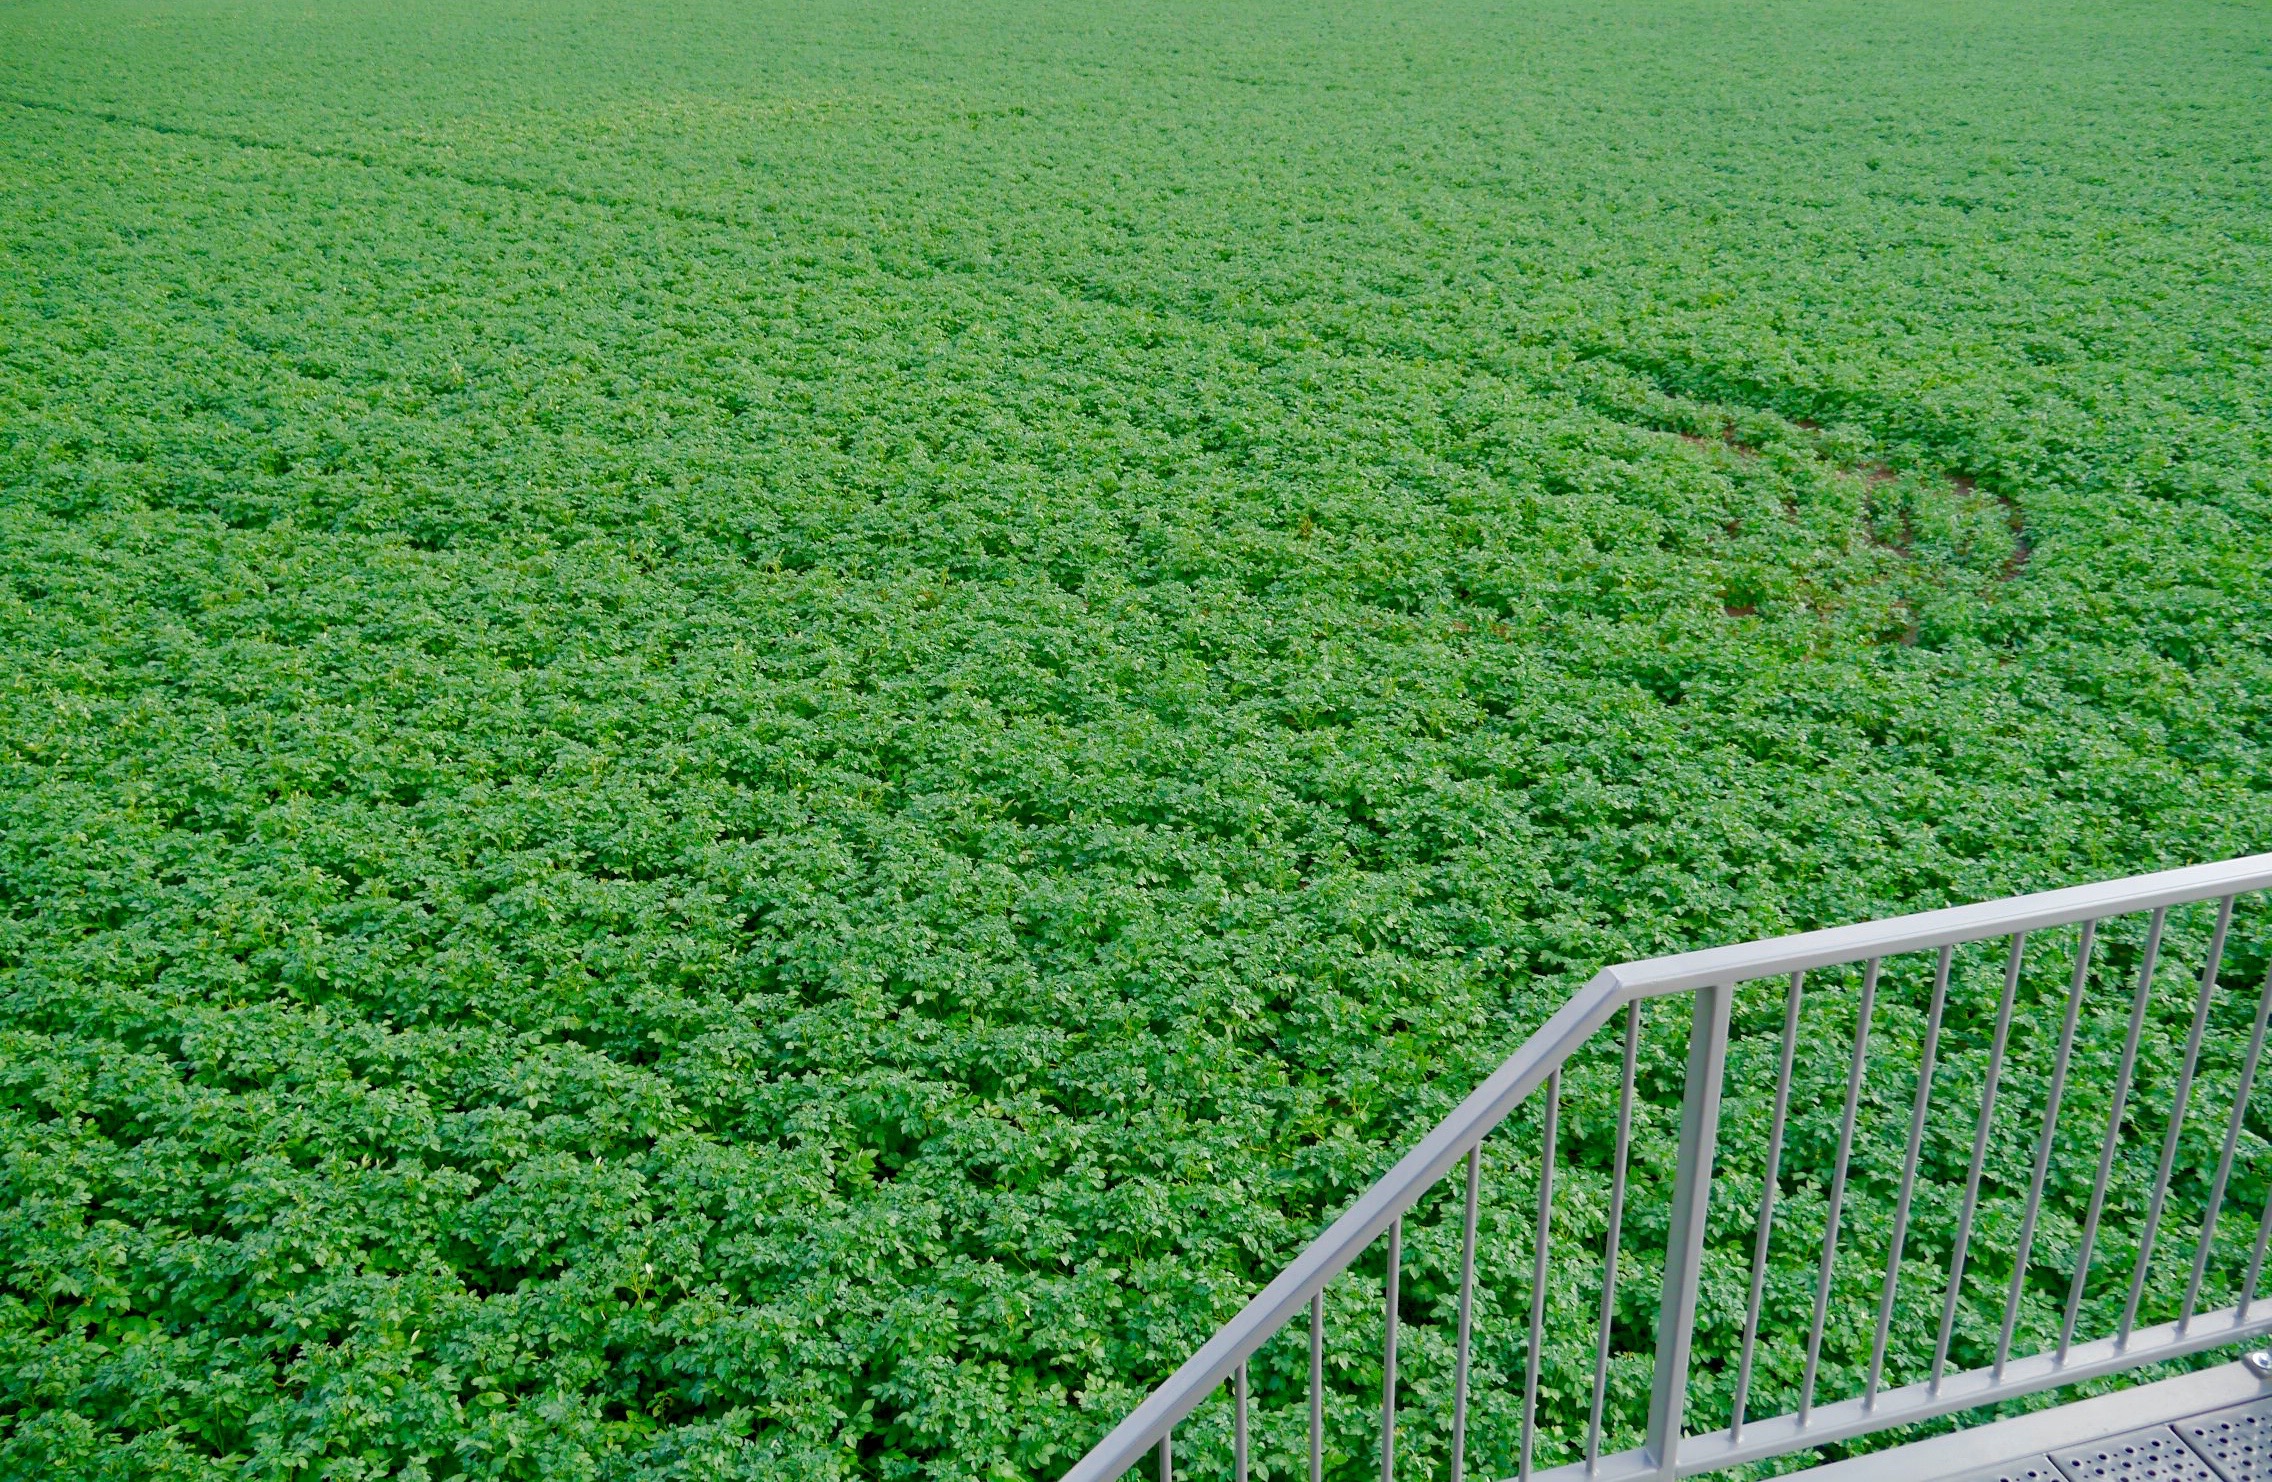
x,y
2237,1442
2155,1455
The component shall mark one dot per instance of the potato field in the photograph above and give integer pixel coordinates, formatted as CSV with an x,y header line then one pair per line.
x,y
744,739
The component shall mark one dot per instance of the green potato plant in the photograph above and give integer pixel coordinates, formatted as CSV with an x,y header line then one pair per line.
x,y
762,740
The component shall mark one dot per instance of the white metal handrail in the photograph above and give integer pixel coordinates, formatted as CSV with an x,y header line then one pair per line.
x,y
1711,977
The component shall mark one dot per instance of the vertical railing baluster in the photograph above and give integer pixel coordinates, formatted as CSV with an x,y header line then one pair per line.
x,y
2225,1158
2256,1259
2139,1000
2176,1124
1684,1243
1616,1224
1539,1244
1909,1161
1317,1387
1767,1189
2050,1132
1829,1266
2263,1230
1979,1160
1238,1426
1167,1457
1388,1351
1466,1314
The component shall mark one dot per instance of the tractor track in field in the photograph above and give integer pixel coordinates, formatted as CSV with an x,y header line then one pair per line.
x,y
1874,473
410,168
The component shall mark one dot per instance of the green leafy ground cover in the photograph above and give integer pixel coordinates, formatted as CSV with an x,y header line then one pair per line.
x,y
761,740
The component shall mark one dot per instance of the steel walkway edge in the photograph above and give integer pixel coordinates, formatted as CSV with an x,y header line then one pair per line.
x,y
2214,1425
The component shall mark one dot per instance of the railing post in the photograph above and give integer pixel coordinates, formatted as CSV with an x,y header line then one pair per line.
x,y
1684,1246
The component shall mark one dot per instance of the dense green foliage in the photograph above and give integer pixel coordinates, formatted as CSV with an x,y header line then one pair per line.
x,y
760,739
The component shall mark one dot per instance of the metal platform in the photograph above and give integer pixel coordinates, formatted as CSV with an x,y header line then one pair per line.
x,y
2092,947
2211,1426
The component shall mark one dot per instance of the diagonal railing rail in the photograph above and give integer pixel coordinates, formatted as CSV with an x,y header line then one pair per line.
x,y
2109,1084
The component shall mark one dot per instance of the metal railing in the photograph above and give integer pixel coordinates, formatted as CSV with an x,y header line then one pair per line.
x,y
2046,1057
